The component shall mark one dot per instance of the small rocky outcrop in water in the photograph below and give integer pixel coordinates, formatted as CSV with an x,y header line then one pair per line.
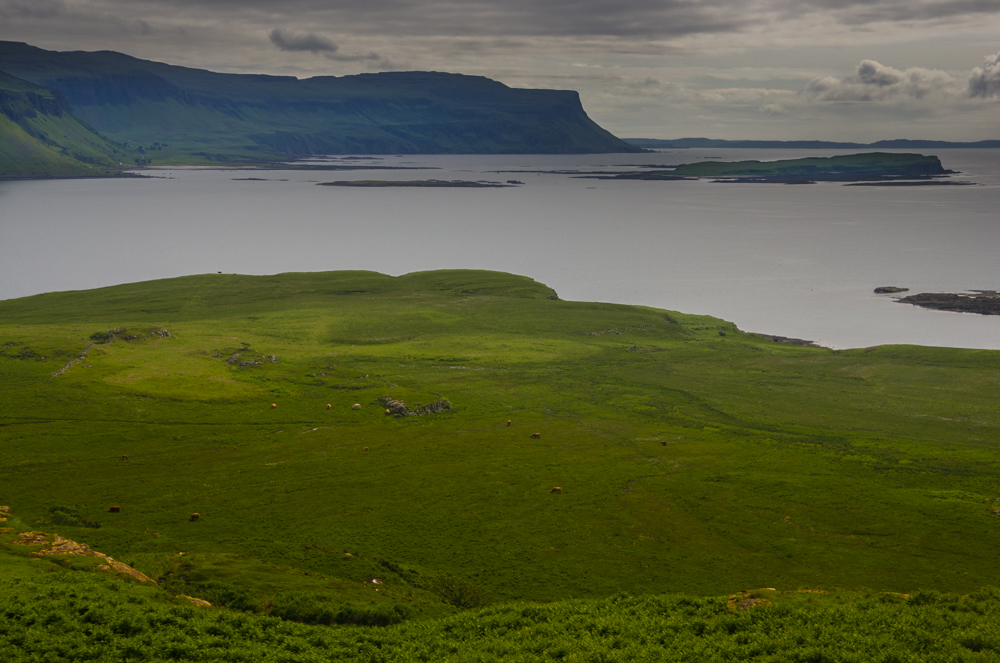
x,y
889,288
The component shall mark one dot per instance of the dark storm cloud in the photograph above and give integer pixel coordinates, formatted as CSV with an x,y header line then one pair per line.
x,y
318,44
985,81
657,19
290,41
32,8
860,12
637,18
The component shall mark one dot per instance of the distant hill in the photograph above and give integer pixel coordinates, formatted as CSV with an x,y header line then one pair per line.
x,y
40,136
681,143
221,116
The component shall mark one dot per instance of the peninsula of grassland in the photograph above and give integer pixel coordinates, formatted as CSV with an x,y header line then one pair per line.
x,y
690,457
170,115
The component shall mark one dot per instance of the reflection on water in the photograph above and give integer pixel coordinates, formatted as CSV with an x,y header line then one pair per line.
x,y
797,261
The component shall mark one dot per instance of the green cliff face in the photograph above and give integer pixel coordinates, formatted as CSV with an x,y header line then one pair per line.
x,y
40,136
245,116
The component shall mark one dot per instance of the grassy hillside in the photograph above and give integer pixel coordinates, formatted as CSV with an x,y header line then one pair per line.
x,y
55,614
40,137
688,461
208,115
691,458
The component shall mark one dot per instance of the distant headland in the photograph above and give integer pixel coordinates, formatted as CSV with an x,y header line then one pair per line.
x,y
74,114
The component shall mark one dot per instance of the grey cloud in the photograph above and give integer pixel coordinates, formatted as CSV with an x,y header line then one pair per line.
x,y
862,12
32,8
650,19
291,41
318,44
985,81
873,81
492,18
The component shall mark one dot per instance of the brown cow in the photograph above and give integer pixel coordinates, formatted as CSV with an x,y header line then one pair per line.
x,y
508,422
557,489
328,406
536,436
663,442
115,509
366,449
124,457
194,517
274,405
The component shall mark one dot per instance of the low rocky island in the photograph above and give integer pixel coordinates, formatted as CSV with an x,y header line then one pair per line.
x,y
983,302
881,290
453,184
876,168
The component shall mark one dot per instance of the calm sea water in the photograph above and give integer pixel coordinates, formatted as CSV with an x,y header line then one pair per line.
x,y
797,261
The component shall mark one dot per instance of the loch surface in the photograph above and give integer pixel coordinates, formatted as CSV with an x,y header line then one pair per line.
x,y
799,261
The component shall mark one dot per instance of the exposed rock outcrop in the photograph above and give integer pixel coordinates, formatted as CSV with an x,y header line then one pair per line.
x,y
398,408
983,302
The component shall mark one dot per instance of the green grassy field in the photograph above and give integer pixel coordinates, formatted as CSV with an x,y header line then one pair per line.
x,y
689,461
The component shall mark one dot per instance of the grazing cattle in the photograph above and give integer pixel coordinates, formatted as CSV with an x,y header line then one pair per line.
x,y
328,406
366,449
536,436
663,442
388,411
124,457
194,517
274,405
356,406
557,489
508,422
115,509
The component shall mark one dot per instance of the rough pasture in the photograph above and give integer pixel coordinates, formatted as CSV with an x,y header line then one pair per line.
x,y
690,462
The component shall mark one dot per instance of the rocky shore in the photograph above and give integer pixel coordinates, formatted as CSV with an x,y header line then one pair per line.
x,y
983,302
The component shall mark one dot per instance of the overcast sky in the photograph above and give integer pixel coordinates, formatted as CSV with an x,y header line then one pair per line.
x,y
769,69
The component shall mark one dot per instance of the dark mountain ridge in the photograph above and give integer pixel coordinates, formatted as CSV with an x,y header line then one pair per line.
x,y
236,115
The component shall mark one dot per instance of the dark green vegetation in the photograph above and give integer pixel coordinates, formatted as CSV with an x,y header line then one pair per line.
x,y
897,144
432,184
65,617
172,114
40,136
689,462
